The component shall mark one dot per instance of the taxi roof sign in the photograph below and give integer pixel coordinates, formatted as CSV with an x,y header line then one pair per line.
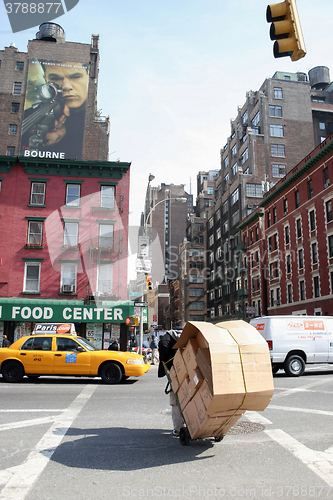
x,y
65,328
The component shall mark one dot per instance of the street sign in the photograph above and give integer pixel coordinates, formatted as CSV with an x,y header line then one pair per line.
x,y
250,310
140,304
143,265
143,246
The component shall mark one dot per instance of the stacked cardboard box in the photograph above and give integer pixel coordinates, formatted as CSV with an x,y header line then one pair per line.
x,y
219,372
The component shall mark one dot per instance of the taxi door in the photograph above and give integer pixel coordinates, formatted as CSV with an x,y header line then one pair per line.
x,y
37,356
68,360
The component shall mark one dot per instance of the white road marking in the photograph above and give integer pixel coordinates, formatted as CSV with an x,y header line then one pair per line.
x,y
304,410
319,462
291,391
26,423
257,418
19,480
28,411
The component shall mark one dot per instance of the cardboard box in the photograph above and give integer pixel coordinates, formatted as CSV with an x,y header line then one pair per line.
x,y
184,394
204,365
174,379
196,379
190,354
240,365
179,366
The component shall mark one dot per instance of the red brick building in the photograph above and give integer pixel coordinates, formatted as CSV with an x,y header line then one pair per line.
x,y
63,249
289,241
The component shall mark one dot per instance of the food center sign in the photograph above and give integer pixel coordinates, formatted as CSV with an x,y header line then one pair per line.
x,y
60,313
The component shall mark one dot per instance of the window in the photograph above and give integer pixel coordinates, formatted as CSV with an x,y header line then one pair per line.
x,y
37,344
278,93
211,240
37,195
12,129
274,215
290,294
326,177
256,120
330,246
71,234
68,277
302,290
225,208
194,278
310,189
328,205
299,228
288,264
210,190
245,156
244,118
108,196
314,249
31,277
226,178
197,306
234,150
287,235
211,223
106,235
322,125
254,190
275,111
66,344
278,170
10,151
269,220
316,289
15,107
226,162
300,259
285,206
19,66
35,233
276,130
73,195
234,196
105,279
235,218
296,198
196,292
17,89
234,169
278,150
312,220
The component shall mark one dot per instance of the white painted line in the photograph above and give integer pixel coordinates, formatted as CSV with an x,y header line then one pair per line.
x,y
20,479
257,418
26,423
302,410
290,391
319,462
29,411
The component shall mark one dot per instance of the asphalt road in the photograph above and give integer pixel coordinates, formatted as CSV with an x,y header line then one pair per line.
x,y
77,439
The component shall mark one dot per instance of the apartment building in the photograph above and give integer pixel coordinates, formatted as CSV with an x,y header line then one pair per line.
x,y
289,241
274,129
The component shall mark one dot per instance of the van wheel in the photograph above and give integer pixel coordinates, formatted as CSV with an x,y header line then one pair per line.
x,y
294,366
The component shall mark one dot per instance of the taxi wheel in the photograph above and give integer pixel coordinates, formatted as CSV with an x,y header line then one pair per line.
x,y
111,373
12,372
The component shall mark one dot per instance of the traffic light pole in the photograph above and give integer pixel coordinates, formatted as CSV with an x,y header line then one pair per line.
x,y
141,331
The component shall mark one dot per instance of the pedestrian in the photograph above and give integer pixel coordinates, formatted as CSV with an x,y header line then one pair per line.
x,y
114,346
167,353
154,349
5,341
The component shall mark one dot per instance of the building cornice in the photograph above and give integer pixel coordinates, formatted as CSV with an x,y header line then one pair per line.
x,y
64,168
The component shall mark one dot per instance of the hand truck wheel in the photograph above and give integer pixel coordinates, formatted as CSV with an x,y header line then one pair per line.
x,y
184,436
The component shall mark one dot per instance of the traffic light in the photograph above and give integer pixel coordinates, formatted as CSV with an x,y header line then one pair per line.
x,y
130,321
286,30
148,280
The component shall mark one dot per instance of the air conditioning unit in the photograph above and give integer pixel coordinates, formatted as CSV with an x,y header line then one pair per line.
x,y
68,288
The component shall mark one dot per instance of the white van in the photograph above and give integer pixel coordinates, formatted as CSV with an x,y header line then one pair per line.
x,y
294,341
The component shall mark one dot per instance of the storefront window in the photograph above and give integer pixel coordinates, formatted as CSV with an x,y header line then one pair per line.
x,y
22,329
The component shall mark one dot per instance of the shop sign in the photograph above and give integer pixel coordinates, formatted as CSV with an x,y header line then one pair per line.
x,y
61,313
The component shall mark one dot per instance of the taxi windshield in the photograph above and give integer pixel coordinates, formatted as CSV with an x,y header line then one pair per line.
x,y
85,343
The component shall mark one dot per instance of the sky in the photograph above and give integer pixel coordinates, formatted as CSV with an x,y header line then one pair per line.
x,y
172,74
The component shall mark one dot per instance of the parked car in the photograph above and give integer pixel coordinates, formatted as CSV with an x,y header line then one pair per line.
x,y
57,354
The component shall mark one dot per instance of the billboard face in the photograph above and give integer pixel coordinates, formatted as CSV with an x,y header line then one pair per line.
x,y
54,110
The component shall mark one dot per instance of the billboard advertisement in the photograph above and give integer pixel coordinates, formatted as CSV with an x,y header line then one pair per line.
x,y
54,110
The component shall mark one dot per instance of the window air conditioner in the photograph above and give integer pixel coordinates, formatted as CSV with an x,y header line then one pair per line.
x,y
68,288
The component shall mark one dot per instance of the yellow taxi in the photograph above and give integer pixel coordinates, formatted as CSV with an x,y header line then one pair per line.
x,y
57,354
